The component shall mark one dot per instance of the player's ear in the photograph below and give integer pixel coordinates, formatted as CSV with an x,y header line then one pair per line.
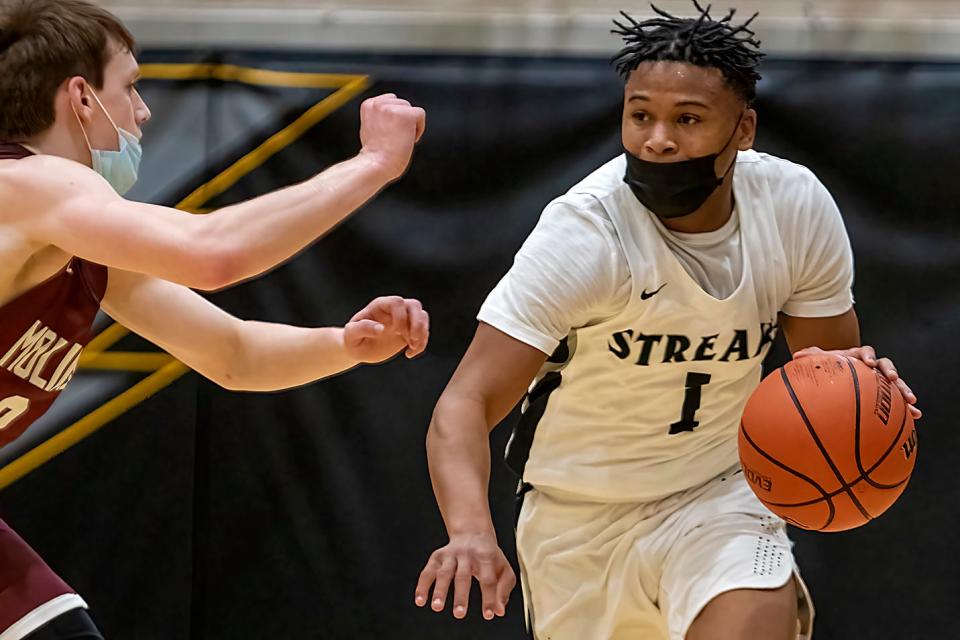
x,y
78,97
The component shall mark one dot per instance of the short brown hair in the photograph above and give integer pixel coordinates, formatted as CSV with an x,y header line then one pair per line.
x,y
42,44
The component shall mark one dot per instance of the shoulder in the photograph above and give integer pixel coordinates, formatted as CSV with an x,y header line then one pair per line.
x,y
575,234
37,184
788,181
799,199
780,172
45,174
599,186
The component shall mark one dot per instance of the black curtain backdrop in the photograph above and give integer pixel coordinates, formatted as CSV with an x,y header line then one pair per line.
x,y
205,514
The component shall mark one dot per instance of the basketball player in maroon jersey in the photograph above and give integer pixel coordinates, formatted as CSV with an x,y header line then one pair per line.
x,y
70,244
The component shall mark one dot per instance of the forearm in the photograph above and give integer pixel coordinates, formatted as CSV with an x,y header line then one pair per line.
x,y
458,454
272,357
261,233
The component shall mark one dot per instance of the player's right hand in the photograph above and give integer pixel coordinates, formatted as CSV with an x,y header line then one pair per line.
x,y
465,557
389,129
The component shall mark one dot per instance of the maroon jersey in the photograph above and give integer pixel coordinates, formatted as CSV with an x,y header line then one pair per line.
x,y
42,333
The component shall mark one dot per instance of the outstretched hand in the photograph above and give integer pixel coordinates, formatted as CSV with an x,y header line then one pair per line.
x,y
465,558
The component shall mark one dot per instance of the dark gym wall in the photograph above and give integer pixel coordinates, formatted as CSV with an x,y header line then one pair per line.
x,y
205,514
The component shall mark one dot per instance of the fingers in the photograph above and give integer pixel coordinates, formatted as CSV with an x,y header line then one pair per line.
x,y
424,582
391,311
421,122
362,329
809,351
885,365
887,368
487,577
867,355
441,587
419,328
403,317
459,563
461,590
905,390
505,584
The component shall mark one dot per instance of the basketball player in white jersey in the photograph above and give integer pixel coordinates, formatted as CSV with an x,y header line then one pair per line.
x,y
640,308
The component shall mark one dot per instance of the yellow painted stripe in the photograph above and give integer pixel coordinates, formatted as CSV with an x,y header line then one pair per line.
x,y
90,423
107,338
123,361
275,143
246,75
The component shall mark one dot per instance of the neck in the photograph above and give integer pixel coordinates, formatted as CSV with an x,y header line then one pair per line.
x,y
714,213
58,140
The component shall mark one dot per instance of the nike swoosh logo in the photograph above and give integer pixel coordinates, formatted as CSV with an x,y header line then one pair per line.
x,y
647,296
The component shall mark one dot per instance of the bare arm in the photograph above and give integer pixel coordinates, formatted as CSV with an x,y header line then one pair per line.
x,y
492,377
811,336
837,332
64,204
258,356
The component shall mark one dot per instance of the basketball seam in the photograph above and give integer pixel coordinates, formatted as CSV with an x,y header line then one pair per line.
x,y
865,474
823,450
833,494
824,495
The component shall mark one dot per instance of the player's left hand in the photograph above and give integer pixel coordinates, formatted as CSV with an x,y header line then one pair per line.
x,y
385,327
868,356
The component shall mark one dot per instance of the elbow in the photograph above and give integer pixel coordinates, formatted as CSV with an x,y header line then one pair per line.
x,y
215,266
436,432
456,418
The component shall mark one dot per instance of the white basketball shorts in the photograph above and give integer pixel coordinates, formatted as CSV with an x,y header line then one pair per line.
x,y
627,571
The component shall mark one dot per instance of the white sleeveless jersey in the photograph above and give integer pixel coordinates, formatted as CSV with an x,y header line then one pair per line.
x,y
645,400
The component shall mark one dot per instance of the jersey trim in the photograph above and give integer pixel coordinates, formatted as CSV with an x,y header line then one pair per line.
x,y
517,330
521,441
42,615
820,308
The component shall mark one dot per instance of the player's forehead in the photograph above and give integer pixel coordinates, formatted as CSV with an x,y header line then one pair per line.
x,y
679,82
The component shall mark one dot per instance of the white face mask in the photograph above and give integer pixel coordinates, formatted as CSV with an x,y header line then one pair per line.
x,y
120,168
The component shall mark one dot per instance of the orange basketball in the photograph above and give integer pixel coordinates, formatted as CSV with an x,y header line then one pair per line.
x,y
827,443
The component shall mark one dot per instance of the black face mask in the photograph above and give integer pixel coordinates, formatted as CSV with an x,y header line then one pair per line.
x,y
676,189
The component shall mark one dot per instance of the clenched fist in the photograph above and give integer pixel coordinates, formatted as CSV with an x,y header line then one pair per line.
x,y
389,129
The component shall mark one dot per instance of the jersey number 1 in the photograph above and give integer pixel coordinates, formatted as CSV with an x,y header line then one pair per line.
x,y
12,408
691,402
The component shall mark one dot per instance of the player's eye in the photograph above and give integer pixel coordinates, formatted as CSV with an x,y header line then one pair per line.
x,y
688,119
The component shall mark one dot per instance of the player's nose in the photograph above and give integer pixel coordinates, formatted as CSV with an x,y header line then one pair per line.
x,y
660,142
143,113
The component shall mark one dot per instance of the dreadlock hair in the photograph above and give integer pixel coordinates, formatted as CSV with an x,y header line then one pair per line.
x,y
701,41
